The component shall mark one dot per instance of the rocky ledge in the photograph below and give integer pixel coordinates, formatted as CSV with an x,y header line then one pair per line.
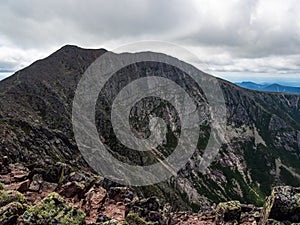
x,y
59,194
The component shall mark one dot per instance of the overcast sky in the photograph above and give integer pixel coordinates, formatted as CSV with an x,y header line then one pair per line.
x,y
238,40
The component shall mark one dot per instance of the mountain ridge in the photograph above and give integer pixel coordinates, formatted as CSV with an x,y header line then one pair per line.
x,y
273,87
35,122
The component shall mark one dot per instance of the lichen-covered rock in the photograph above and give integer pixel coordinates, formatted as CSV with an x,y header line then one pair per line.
x,y
72,189
52,173
9,196
12,204
228,211
111,222
9,214
282,205
102,218
53,210
4,165
250,213
146,211
274,222
105,220
133,218
120,193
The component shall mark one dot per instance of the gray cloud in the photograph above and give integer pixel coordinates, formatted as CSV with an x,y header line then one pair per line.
x,y
251,28
38,23
248,35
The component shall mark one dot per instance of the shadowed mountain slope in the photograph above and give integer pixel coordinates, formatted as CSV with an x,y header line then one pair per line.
x,y
262,147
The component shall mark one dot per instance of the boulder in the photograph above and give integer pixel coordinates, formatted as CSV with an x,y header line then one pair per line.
x,y
9,214
111,222
102,218
228,211
4,168
36,182
9,196
50,173
133,218
282,205
94,198
12,204
274,222
144,212
53,210
19,172
5,161
72,189
23,186
105,220
48,187
120,194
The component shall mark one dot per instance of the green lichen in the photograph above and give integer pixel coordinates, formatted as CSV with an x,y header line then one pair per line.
x,y
273,222
267,208
53,209
134,219
1,186
61,177
282,205
10,213
9,196
110,222
228,211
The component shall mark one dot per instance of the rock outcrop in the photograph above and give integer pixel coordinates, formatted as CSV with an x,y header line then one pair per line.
x,y
97,203
228,211
283,206
12,205
53,210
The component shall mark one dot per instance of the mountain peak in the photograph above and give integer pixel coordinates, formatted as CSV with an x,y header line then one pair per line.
x,y
69,47
69,59
74,50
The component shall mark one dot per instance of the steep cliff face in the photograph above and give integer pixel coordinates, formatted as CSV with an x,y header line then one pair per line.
x,y
262,146
36,106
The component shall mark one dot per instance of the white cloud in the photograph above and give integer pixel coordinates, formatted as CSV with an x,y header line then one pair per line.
x,y
248,35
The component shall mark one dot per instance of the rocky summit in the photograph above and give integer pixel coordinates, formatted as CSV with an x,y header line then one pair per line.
x,y
81,197
43,170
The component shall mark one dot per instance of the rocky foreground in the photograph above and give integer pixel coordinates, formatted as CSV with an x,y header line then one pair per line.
x,y
58,194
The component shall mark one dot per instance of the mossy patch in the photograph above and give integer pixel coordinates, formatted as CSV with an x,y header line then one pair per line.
x,y
53,210
228,211
9,196
134,219
110,222
282,205
9,214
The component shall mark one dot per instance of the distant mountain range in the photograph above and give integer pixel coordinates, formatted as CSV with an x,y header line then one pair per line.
x,y
269,87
